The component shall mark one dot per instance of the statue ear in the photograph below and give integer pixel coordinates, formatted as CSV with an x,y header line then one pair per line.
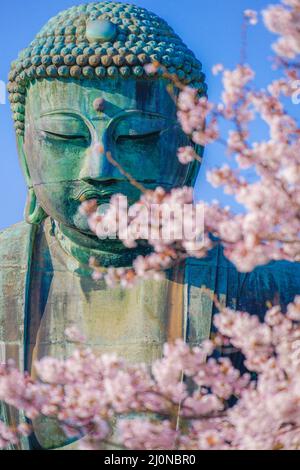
x,y
23,160
34,213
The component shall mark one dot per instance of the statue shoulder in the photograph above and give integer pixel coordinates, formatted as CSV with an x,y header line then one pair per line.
x,y
277,282
281,274
14,230
14,244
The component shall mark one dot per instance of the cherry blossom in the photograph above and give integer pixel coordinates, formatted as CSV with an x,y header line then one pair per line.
x,y
186,155
251,15
181,401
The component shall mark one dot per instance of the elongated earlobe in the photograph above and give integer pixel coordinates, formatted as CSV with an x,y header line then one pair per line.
x,y
34,213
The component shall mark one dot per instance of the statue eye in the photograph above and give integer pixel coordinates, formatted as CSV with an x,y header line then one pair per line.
x,y
63,128
65,137
139,126
138,137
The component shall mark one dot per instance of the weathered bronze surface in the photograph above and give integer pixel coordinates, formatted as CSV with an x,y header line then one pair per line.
x,y
82,82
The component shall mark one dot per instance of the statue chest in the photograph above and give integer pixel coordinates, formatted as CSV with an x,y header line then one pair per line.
x,y
134,323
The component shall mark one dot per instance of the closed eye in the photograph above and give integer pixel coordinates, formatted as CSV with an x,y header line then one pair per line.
x,y
138,136
65,136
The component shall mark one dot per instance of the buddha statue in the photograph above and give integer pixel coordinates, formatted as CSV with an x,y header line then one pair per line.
x,y
82,81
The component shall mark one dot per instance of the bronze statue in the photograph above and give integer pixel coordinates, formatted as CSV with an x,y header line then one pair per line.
x,y
88,52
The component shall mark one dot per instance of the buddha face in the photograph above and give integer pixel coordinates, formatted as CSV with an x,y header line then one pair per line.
x,y
63,128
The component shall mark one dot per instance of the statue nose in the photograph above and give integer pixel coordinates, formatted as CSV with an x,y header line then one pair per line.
x,y
96,165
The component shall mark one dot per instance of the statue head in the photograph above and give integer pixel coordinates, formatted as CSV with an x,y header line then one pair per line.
x,y
82,83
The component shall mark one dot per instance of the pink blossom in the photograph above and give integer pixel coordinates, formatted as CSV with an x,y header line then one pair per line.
x,y
251,16
217,69
74,334
87,392
186,155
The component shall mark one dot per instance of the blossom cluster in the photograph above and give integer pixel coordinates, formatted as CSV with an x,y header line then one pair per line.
x,y
168,221
181,401
269,228
284,21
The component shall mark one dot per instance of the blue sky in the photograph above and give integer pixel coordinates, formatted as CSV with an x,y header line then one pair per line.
x,y
211,28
